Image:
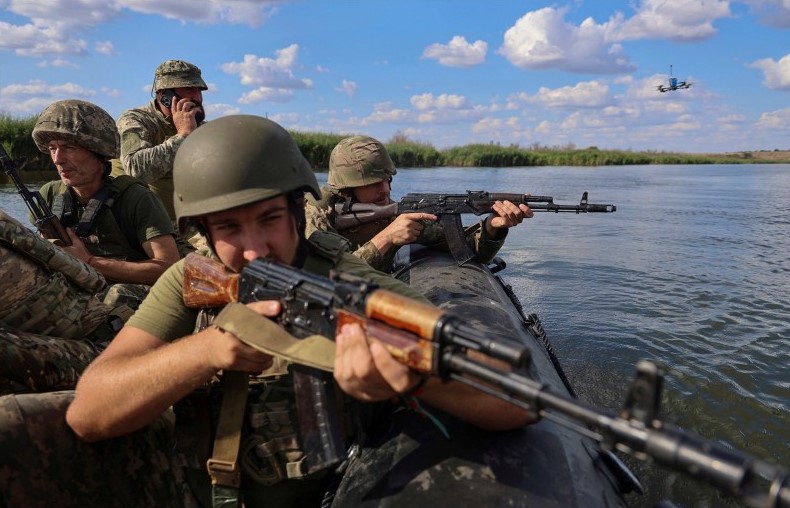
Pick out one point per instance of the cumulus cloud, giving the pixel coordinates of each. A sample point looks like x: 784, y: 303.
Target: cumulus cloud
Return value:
x: 678, y: 20
x: 443, y: 101
x: 274, y: 76
x: 774, y: 13
x: 457, y: 53
x: 776, y: 75
x: 542, y: 39
x: 587, y: 94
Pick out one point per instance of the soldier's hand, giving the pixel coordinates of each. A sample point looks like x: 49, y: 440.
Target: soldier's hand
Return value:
x: 366, y: 370
x: 405, y: 229
x: 184, y: 113
x: 506, y: 215
x: 229, y: 353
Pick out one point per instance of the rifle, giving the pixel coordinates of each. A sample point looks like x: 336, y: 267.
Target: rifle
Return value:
x: 433, y: 341
x: 449, y: 207
x: 47, y: 222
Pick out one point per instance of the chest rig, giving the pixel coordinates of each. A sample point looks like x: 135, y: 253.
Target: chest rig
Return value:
x: 65, y: 207
x: 257, y: 430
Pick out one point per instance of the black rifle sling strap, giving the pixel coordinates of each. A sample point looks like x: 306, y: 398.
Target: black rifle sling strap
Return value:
x: 456, y: 239
x: 223, y: 466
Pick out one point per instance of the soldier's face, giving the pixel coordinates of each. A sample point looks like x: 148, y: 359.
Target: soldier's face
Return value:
x: 263, y: 229
x: 375, y: 193
x: 77, y: 166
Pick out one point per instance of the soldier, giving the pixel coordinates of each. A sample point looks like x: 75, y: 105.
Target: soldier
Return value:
x: 361, y: 171
x: 116, y: 224
x: 242, y: 180
x: 151, y: 134
x: 51, y: 323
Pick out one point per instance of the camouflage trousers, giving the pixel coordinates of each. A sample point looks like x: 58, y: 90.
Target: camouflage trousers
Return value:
x: 43, y: 464
x: 39, y: 363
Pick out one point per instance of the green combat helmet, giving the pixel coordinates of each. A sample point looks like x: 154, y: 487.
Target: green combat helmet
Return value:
x: 177, y: 74
x: 237, y: 160
x: 358, y: 161
x: 80, y: 122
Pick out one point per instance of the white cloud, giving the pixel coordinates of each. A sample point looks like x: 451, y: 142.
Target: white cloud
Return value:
x: 774, y: 13
x: 444, y: 101
x: 773, y: 120
x: 678, y: 20
x: 347, y: 87
x: 457, y: 53
x: 776, y: 74
x: 542, y: 39
x: 586, y: 94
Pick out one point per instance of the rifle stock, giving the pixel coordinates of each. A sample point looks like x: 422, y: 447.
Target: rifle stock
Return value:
x: 314, y: 304
x: 47, y: 222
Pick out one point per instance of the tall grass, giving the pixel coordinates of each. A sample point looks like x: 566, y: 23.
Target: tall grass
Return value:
x: 317, y: 146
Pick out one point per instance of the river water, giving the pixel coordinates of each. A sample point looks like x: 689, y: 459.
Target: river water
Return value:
x: 691, y: 270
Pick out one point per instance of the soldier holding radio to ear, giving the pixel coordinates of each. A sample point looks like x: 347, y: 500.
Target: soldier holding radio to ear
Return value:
x: 151, y: 134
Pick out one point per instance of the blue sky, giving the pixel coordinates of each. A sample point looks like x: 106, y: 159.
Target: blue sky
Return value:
x: 445, y: 72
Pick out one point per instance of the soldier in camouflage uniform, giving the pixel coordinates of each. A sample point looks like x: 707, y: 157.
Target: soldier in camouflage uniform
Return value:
x: 242, y: 179
x: 361, y: 171
x: 151, y: 134
x: 51, y: 323
x: 116, y: 224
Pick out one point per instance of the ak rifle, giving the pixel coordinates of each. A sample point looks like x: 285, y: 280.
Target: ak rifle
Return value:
x: 47, y: 222
x: 432, y: 341
x: 449, y: 208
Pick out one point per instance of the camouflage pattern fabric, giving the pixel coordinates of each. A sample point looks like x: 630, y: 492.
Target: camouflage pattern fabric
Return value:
x: 43, y: 289
x: 319, y: 215
x: 358, y: 161
x: 178, y: 74
x: 149, y: 142
x: 78, y: 121
x: 43, y: 464
x: 38, y: 363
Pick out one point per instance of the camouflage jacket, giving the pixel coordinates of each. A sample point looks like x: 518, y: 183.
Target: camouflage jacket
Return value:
x: 320, y: 217
x: 148, y: 148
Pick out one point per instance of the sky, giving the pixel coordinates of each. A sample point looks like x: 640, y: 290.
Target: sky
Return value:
x: 445, y: 72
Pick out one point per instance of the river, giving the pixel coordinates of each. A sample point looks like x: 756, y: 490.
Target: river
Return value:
x: 691, y: 270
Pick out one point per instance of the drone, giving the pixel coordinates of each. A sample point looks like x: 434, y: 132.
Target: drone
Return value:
x: 674, y: 84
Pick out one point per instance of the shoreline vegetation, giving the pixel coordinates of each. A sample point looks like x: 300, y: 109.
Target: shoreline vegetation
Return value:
x: 15, y: 134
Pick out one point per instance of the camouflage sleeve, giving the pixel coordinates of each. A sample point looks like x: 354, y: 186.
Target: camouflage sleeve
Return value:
x: 147, y: 152
x: 319, y: 219
x: 485, y: 247
x: 372, y: 256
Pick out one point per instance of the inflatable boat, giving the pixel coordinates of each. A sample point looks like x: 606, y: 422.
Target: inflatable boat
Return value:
x: 541, y: 465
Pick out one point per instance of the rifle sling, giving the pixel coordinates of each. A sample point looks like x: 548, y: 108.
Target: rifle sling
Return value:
x: 223, y: 466
x: 456, y: 239
x: 265, y: 335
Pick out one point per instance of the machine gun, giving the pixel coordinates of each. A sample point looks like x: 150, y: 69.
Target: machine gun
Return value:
x: 449, y: 208
x: 432, y: 341
x: 47, y: 222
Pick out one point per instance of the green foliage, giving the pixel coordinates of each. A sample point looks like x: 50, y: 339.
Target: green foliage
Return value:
x: 15, y: 134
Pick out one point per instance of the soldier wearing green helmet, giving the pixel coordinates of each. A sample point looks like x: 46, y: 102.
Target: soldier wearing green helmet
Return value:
x: 151, y: 134
x: 241, y: 180
x: 116, y: 224
x: 361, y: 171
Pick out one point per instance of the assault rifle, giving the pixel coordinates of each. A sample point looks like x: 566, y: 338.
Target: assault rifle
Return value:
x: 47, y: 222
x: 432, y: 341
x: 449, y: 207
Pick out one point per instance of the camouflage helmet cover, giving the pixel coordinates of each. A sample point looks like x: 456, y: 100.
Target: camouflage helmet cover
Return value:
x: 80, y: 122
x: 177, y: 74
x: 234, y: 161
x: 358, y: 161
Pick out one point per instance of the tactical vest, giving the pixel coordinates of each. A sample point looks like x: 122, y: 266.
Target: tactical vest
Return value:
x: 92, y: 220
x: 270, y: 450
x: 45, y: 290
